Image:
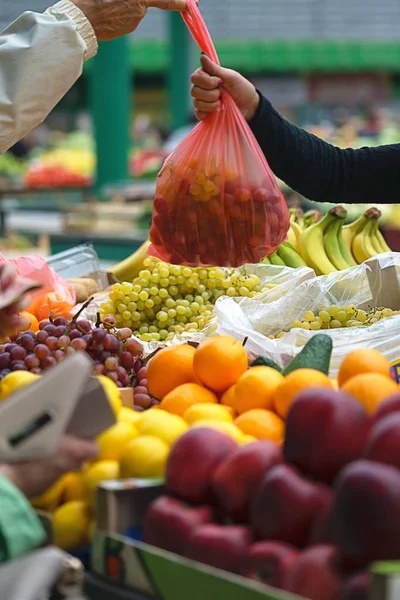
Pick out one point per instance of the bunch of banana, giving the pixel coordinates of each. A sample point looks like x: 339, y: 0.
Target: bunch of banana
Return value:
x: 129, y: 268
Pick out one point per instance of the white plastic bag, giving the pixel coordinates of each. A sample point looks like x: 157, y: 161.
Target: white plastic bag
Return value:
x: 372, y: 284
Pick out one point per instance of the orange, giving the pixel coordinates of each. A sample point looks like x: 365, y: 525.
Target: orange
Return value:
x: 296, y: 382
x: 219, y: 362
x: 170, y: 368
x: 370, y: 389
x: 34, y: 323
x: 262, y: 424
x: 184, y: 396
x: 361, y: 361
x: 256, y: 389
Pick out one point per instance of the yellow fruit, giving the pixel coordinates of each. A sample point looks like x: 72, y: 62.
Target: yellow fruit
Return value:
x: 181, y: 398
x: 146, y: 456
x: 112, y: 392
x: 370, y: 389
x: 113, y: 441
x: 248, y: 439
x: 74, y: 487
x: 127, y: 415
x: 228, y: 428
x: 15, y: 381
x: 200, y: 412
x: 168, y: 429
x: 51, y: 498
x: 262, y: 424
x: 101, y: 471
x: 150, y: 416
x: 71, y: 525
x: 256, y: 389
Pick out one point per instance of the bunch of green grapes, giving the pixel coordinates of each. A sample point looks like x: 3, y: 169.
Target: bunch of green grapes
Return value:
x: 337, y: 317
x: 166, y: 300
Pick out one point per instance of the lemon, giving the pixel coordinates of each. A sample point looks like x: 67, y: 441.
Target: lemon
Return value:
x: 113, y: 441
x: 228, y: 428
x: 200, y: 412
x: 248, y: 439
x: 112, y: 392
x: 168, y: 429
x: 127, y: 415
x: 101, y: 471
x: 51, y: 498
x: 151, y: 416
x: 74, y: 487
x: 144, y: 457
x: 15, y: 381
x: 71, y: 525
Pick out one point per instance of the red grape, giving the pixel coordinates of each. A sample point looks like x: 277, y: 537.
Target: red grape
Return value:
x: 60, y: 330
x: 111, y: 363
x: 50, y: 329
x: 142, y: 374
x: 140, y: 390
x: 138, y: 408
x: 5, y: 372
x: 5, y: 359
x: 32, y: 361
x: 18, y: 353
x: 48, y: 361
x: 111, y: 375
x: 52, y: 343
x: 63, y: 342
x: 134, y: 347
x: 84, y: 326
x: 44, y: 324
x: 109, y: 321
x: 125, y: 380
x: 18, y: 365
x: 60, y: 321
x: 99, y: 369
x: 87, y: 338
x: 120, y: 371
x: 124, y: 333
x: 36, y: 370
x: 27, y: 341
x: 98, y: 335
x: 111, y: 343
x: 78, y: 344
x: 126, y: 360
x: 142, y: 400
x: 97, y: 346
x: 41, y: 337
x: 75, y: 334
x: 9, y: 347
x: 2, y: 348
x: 30, y: 333
x: 144, y: 382
x: 42, y: 351
x: 69, y: 350
x: 59, y: 355
x: 119, y: 384
x: 154, y: 402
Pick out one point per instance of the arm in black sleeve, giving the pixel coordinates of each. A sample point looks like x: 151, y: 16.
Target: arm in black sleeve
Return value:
x: 322, y: 172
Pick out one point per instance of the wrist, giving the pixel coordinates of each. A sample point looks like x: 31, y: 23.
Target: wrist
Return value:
x: 253, y: 106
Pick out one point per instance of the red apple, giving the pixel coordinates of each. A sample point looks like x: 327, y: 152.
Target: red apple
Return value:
x: 314, y: 575
x: 269, y: 563
x: 237, y: 478
x: 325, y: 430
x: 384, y: 442
x: 366, y: 514
x: 286, y: 506
x: 221, y: 546
x: 169, y: 523
x: 388, y: 406
x: 192, y: 462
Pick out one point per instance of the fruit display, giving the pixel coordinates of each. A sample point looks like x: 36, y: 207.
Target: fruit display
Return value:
x: 163, y: 300
x: 209, y: 215
x: 307, y: 515
x: 326, y: 244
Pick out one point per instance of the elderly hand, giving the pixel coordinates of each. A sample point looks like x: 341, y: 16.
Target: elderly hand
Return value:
x: 35, y: 477
x: 113, y: 18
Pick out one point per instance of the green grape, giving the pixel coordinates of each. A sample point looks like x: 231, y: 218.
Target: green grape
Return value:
x: 144, y: 329
x: 335, y: 324
x: 296, y: 324
x: 333, y: 310
x: 305, y: 325
x: 172, y: 313
x: 149, y: 303
x: 170, y: 303
x: 162, y: 316
x: 163, y: 334
x: 153, y: 329
x: 146, y: 337
x: 141, y: 305
x: 361, y: 316
x: 315, y: 325
x: 341, y: 316
x: 126, y: 315
x: 163, y: 293
x: 324, y: 316
x: 134, y: 296
x: 173, y: 290
x: 180, y: 310
x: 122, y: 308
x: 164, y: 272
x: 153, y: 291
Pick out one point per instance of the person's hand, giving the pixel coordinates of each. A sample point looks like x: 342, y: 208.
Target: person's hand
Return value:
x: 113, y: 18
x: 206, y: 90
x: 10, y: 321
x: 35, y: 477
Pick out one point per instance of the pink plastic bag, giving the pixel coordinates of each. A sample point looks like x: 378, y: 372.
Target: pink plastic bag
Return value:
x: 217, y: 202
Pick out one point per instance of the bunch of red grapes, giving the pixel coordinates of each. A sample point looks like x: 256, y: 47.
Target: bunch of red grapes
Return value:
x: 114, y: 351
x: 142, y: 397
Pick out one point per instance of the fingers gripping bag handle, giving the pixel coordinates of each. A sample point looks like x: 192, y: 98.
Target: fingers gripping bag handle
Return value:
x: 217, y: 202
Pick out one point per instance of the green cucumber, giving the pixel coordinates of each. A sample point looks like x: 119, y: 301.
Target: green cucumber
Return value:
x: 262, y: 361
x: 316, y: 354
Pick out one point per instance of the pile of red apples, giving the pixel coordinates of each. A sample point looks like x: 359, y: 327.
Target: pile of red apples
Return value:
x: 309, y: 518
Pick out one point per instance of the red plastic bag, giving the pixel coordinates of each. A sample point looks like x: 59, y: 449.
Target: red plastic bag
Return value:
x: 217, y: 202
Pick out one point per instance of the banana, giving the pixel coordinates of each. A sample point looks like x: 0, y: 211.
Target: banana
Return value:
x: 334, y: 245
x: 350, y: 231
x: 129, y: 268
x: 296, y: 216
x: 382, y: 242
x: 297, y: 229
x: 289, y: 256
x: 276, y: 260
x: 312, y: 248
x: 311, y: 217
x: 292, y: 238
x: 374, y: 239
x: 362, y: 244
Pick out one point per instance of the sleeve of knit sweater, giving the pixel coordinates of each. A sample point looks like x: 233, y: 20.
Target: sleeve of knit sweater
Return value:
x: 322, y: 172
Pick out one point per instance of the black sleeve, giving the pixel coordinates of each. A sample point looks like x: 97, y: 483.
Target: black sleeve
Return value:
x: 322, y: 172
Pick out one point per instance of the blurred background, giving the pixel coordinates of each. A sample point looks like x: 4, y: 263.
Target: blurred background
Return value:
x: 88, y: 173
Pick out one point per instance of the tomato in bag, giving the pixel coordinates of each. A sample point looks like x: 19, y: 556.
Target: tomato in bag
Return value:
x: 217, y: 202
